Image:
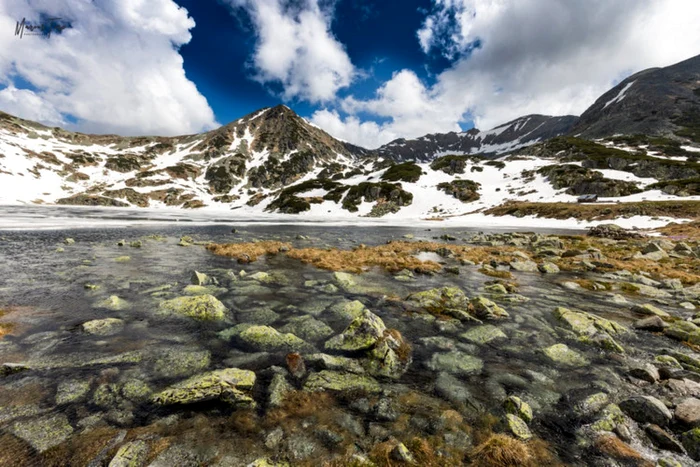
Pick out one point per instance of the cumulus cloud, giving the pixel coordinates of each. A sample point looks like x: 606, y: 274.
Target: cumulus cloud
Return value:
x: 516, y: 57
x: 296, y: 48
x: 116, y: 69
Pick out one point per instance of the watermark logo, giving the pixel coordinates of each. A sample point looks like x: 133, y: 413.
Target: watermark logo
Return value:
x: 42, y: 28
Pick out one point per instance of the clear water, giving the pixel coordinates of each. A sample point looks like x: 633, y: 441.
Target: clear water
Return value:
x: 45, y: 291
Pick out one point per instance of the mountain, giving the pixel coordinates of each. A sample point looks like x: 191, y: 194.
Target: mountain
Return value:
x: 516, y: 134
x: 653, y: 102
x: 262, y: 151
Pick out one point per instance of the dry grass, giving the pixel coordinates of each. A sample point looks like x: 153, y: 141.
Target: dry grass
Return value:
x: 612, y: 446
x: 689, y: 231
x: 393, y: 256
x: 500, y: 450
x: 495, y: 273
x: 247, y: 252
x: 403, y: 352
x: 599, y: 211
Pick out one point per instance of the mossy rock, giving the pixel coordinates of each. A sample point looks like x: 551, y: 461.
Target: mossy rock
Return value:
x: 456, y: 362
x: 260, y: 338
x: 561, y: 354
x: 113, y: 303
x: 230, y: 385
x: 518, y: 427
x: 200, y: 307
x: 516, y: 406
x: 43, y: 433
x: 103, y: 327
x: 483, y: 334
x: 361, y: 334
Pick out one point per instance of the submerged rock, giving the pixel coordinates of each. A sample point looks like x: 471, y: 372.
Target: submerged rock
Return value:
x: 103, y: 327
x: 229, y: 385
x: 70, y: 391
x: 133, y: 454
x: 178, y: 362
x: 43, y: 433
x: 113, y: 303
x: 456, y: 362
x: 446, y: 301
x: 563, y: 355
x: 308, y: 328
x: 265, y: 339
x: 591, y: 328
x: 518, y: 427
x: 199, y: 278
x: 483, y: 334
x: 336, y: 363
x: 341, y: 382
x: 201, y: 307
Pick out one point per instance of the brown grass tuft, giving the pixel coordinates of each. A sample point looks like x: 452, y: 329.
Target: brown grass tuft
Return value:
x: 494, y: 273
x: 247, y: 252
x: 404, y: 350
x: 500, y: 450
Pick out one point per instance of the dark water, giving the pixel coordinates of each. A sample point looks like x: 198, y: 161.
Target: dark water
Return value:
x: 47, y: 291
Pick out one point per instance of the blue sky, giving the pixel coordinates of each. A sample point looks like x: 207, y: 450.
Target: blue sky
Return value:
x: 366, y: 71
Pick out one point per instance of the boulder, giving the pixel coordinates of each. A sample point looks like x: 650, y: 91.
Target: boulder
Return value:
x: 646, y: 409
x: 518, y: 427
x: 260, y: 338
x: 200, y: 307
x: 688, y: 412
x: 361, y: 334
x: 445, y: 301
x: 229, y: 385
x: 649, y: 309
x: 684, y: 331
x: 548, y: 268
x: 103, y: 327
x: 646, y: 372
x: 113, y: 303
x: 523, y: 266
x: 691, y: 443
x: 651, y: 324
x: 516, y: 406
x: 486, y: 309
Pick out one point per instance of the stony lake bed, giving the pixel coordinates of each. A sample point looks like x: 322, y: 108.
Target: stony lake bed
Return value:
x: 358, y: 346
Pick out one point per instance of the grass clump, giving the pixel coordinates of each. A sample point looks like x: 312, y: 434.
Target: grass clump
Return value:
x: 404, y: 172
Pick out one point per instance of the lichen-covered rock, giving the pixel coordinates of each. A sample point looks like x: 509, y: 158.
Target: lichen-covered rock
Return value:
x: 361, y: 334
x: 327, y: 380
x: 344, y: 280
x: 456, y: 362
x: 72, y: 390
x: 43, y: 433
x: 548, y: 268
x: 610, y: 417
x: 518, y: 427
x: 450, y: 301
x: 179, y: 362
x: 390, y: 357
x: 486, y: 309
x: 199, y: 278
x: 278, y: 390
x: 346, y: 310
x: 103, y: 327
x: 113, y: 303
x: 230, y: 385
x: 563, y: 355
x: 592, y: 404
x: 649, y: 309
x: 133, y: 454
x: 684, y: 331
x: 200, y: 307
x: 136, y: 390
x: 483, y: 334
x: 516, y: 406
x: 265, y: 339
x: 591, y: 328
x: 646, y: 409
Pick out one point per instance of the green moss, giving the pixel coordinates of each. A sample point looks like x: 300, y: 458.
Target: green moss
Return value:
x: 404, y: 172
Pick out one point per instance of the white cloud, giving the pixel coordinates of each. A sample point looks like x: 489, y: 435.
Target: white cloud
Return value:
x: 116, y: 70
x: 296, y: 48
x: 551, y: 57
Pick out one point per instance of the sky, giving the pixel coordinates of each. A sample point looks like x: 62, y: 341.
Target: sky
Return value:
x: 365, y: 71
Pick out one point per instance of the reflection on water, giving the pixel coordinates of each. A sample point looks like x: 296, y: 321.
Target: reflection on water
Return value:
x: 87, y: 394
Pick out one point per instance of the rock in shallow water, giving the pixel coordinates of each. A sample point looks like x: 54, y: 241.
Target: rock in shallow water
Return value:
x: 646, y: 409
x: 229, y: 385
x: 456, y: 362
x: 43, y: 433
x: 103, y: 327
x: 362, y: 333
x: 563, y: 355
x: 264, y: 339
x: 201, y: 307
x: 483, y: 334
x: 341, y: 382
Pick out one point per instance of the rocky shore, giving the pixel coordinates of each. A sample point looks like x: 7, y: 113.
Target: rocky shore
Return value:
x: 336, y: 348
